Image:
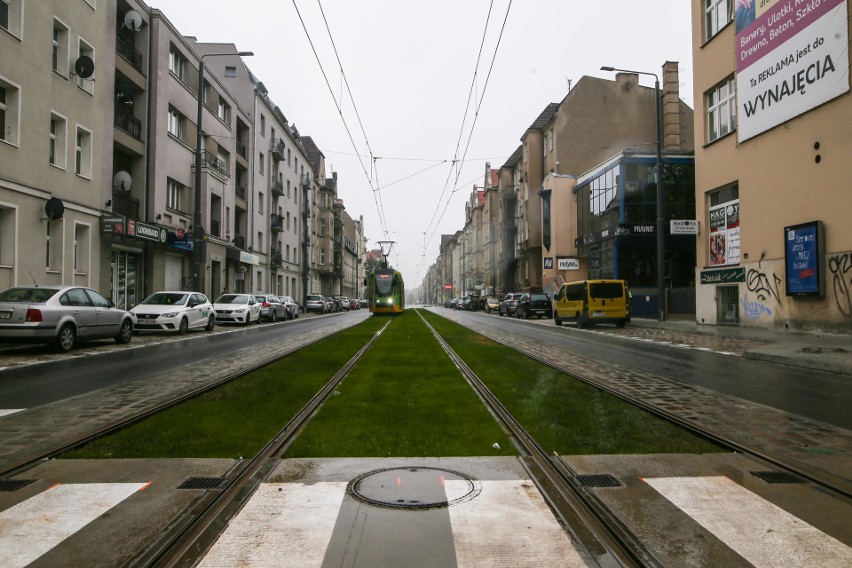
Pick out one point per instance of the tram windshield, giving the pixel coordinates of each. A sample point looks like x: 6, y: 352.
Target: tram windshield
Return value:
x: 384, y: 283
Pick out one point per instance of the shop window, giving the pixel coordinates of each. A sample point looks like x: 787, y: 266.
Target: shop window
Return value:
x: 724, y: 224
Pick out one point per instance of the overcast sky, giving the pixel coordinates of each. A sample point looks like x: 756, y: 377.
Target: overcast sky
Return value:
x: 411, y: 68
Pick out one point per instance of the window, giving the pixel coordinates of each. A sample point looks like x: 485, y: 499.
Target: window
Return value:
x: 724, y: 224
x: 288, y: 188
x: 177, y: 63
x: 59, y: 62
x: 177, y: 124
x: 81, y: 249
x: 260, y: 202
x: 57, y: 140
x: 717, y: 14
x: 721, y: 110
x: 224, y: 111
x: 322, y: 256
x: 83, y: 153
x: 7, y: 235
x: 10, y: 95
x: 261, y: 160
x: 176, y: 195
x: 259, y: 241
x: 230, y: 71
x: 86, y: 50
x: 262, y: 125
x: 53, y: 246
x: 10, y: 16
x: 322, y: 227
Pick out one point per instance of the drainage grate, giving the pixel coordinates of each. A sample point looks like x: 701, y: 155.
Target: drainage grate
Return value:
x: 203, y: 483
x: 778, y: 477
x: 597, y: 480
x: 14, y: 484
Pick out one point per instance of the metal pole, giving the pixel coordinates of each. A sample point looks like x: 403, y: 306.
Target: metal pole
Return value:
x: 661, y: 214
x: 198, y: 255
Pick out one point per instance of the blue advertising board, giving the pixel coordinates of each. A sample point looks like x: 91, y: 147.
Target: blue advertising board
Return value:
x: 803, y: 254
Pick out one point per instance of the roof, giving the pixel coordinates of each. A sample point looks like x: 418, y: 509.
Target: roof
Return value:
x: 544, y: 117
x: 495, y: 178
x: 514, y: 158
x: 313, y: 154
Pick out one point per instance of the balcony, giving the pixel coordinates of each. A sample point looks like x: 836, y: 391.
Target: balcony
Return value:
x: 215, y: 228
x: 129, y: 53
x: 276, y: 148
x: 239, y: 241
x: 277, y: 188
x: 241, y: 149
x: 212, y: 162
x: 240, y: 192
x: 123, y: 204
x: 275, y: 259
x: 127, y: 122
x: 277, y: 223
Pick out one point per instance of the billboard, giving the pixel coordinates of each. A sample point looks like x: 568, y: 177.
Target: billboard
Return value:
x: 792, y: 56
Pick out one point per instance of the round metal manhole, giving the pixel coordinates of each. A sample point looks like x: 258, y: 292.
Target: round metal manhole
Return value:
x: 414, y: 488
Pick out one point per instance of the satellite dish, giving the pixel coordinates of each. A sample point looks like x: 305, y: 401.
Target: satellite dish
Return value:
x: 84, y: 66
x: 54, y: 209
x: 122, y: 181
x: 261, y: 88
x: 124, y: 92
x: 132, y: 20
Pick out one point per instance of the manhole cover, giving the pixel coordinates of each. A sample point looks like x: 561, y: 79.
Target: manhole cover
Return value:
x: 414, y: 488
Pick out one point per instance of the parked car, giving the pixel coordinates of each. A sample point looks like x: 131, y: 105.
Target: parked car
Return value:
x: 271, y: 307
x: 492, y: 304
x: 174, y: 311
x: 453, y: 303
x: 291, y: 307
x: 537, y: 305
x: 315, y: 303
x: 354, y: 304
x: 508, y: 304
x: 465, y: 303
x: 60, y: 316
x: 342, y: 303
x: 330, y: 305
x: 237, y: 308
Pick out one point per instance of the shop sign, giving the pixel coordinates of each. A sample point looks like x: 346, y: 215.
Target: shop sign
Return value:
x: 248, y: 258
x: 683, y: 227
x: 548, y: 263
x: 565, y: 263
x: 727, y: 276
x: 146, y: 232
x: 625, y: 229
x: 112, y: 223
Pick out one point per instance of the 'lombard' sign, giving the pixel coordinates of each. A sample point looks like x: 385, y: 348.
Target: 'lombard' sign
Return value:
x: 147, y: 232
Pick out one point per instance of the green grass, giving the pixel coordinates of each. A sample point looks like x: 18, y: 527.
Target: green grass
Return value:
x: 405, y: 398
x: 239, y: 418
x: 564, y: 414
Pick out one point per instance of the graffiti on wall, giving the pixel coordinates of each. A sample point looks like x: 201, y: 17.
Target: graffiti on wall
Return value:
x: 753, y: 309
x: 764, y: 285
x: 840, y: 267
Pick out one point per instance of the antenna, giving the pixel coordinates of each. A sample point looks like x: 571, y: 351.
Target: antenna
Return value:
x: 133, y: 21
x: 84, y: 67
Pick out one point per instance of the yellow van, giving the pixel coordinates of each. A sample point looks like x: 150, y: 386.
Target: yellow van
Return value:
x: 588, y: 302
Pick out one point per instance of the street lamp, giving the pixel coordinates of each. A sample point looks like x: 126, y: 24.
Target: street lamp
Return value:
x: 199, y: 238
x: 661, y: 241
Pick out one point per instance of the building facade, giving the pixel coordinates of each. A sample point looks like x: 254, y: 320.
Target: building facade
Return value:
x: 772, y: 145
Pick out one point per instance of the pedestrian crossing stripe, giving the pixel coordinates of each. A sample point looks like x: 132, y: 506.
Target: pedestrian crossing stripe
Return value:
x: 759, y: 531
x: 8, y: 411
x: 33, y: 527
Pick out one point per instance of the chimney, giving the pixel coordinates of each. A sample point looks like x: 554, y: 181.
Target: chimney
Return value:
x: 671, y: 107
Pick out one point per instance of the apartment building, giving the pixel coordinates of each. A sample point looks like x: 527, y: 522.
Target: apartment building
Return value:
x: 56, y: 96
x: 326, y: 254
x: 772, y: 124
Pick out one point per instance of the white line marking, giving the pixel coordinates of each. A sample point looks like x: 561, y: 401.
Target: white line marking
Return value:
x: 509, y: 524
x: 283, y: 525
x: 8, y: 411
x: 33, y: 527
x: 757, y: 530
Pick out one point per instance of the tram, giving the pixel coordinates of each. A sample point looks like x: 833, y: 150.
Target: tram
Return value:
x: 387, y: 291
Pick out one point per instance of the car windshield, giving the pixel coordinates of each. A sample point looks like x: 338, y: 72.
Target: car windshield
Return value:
x: 539, y: 298
x: 167, y: 299
x: 38, y: 295
x: 233, y: 299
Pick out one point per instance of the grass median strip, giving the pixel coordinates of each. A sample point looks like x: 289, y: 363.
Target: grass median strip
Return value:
x: 565, y: 414
x: 405, y: 398
x: 240, y: 417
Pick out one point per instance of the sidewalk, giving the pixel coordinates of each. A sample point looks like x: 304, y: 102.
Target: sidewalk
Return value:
x: 816, y: 351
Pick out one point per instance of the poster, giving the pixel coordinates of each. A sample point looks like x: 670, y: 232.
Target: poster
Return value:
x: 725, y: 234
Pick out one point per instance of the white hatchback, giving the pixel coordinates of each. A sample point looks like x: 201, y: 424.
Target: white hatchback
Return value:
x: 174, y: 311
x: 237, y: 308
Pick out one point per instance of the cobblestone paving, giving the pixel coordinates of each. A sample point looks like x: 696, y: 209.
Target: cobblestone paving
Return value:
x: 813, y: 446
x: 33, y: 431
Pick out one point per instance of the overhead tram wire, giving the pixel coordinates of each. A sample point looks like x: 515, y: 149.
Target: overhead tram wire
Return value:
x: 476, y: 115
x: 340, y: 112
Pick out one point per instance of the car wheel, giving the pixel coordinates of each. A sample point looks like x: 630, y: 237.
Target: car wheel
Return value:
x: 184, y: 326
x: 258, y: 319
x: 125, y: 333
x: 581, y: 321
x: 620, y: 324
x: 274, y: 317
x: 211, y: 323
x: 556, y: 319
x: 65, y: 340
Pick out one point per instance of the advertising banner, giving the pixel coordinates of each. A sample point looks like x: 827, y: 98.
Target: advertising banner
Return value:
x: 725, y: 233
x: 803, y: 254
x: 792, y: 56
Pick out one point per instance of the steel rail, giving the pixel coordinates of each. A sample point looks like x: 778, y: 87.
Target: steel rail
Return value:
x: 192, y: 536
x: 585, y: 518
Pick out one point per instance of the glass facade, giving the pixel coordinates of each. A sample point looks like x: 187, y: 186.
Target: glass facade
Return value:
x: 617, y: 217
